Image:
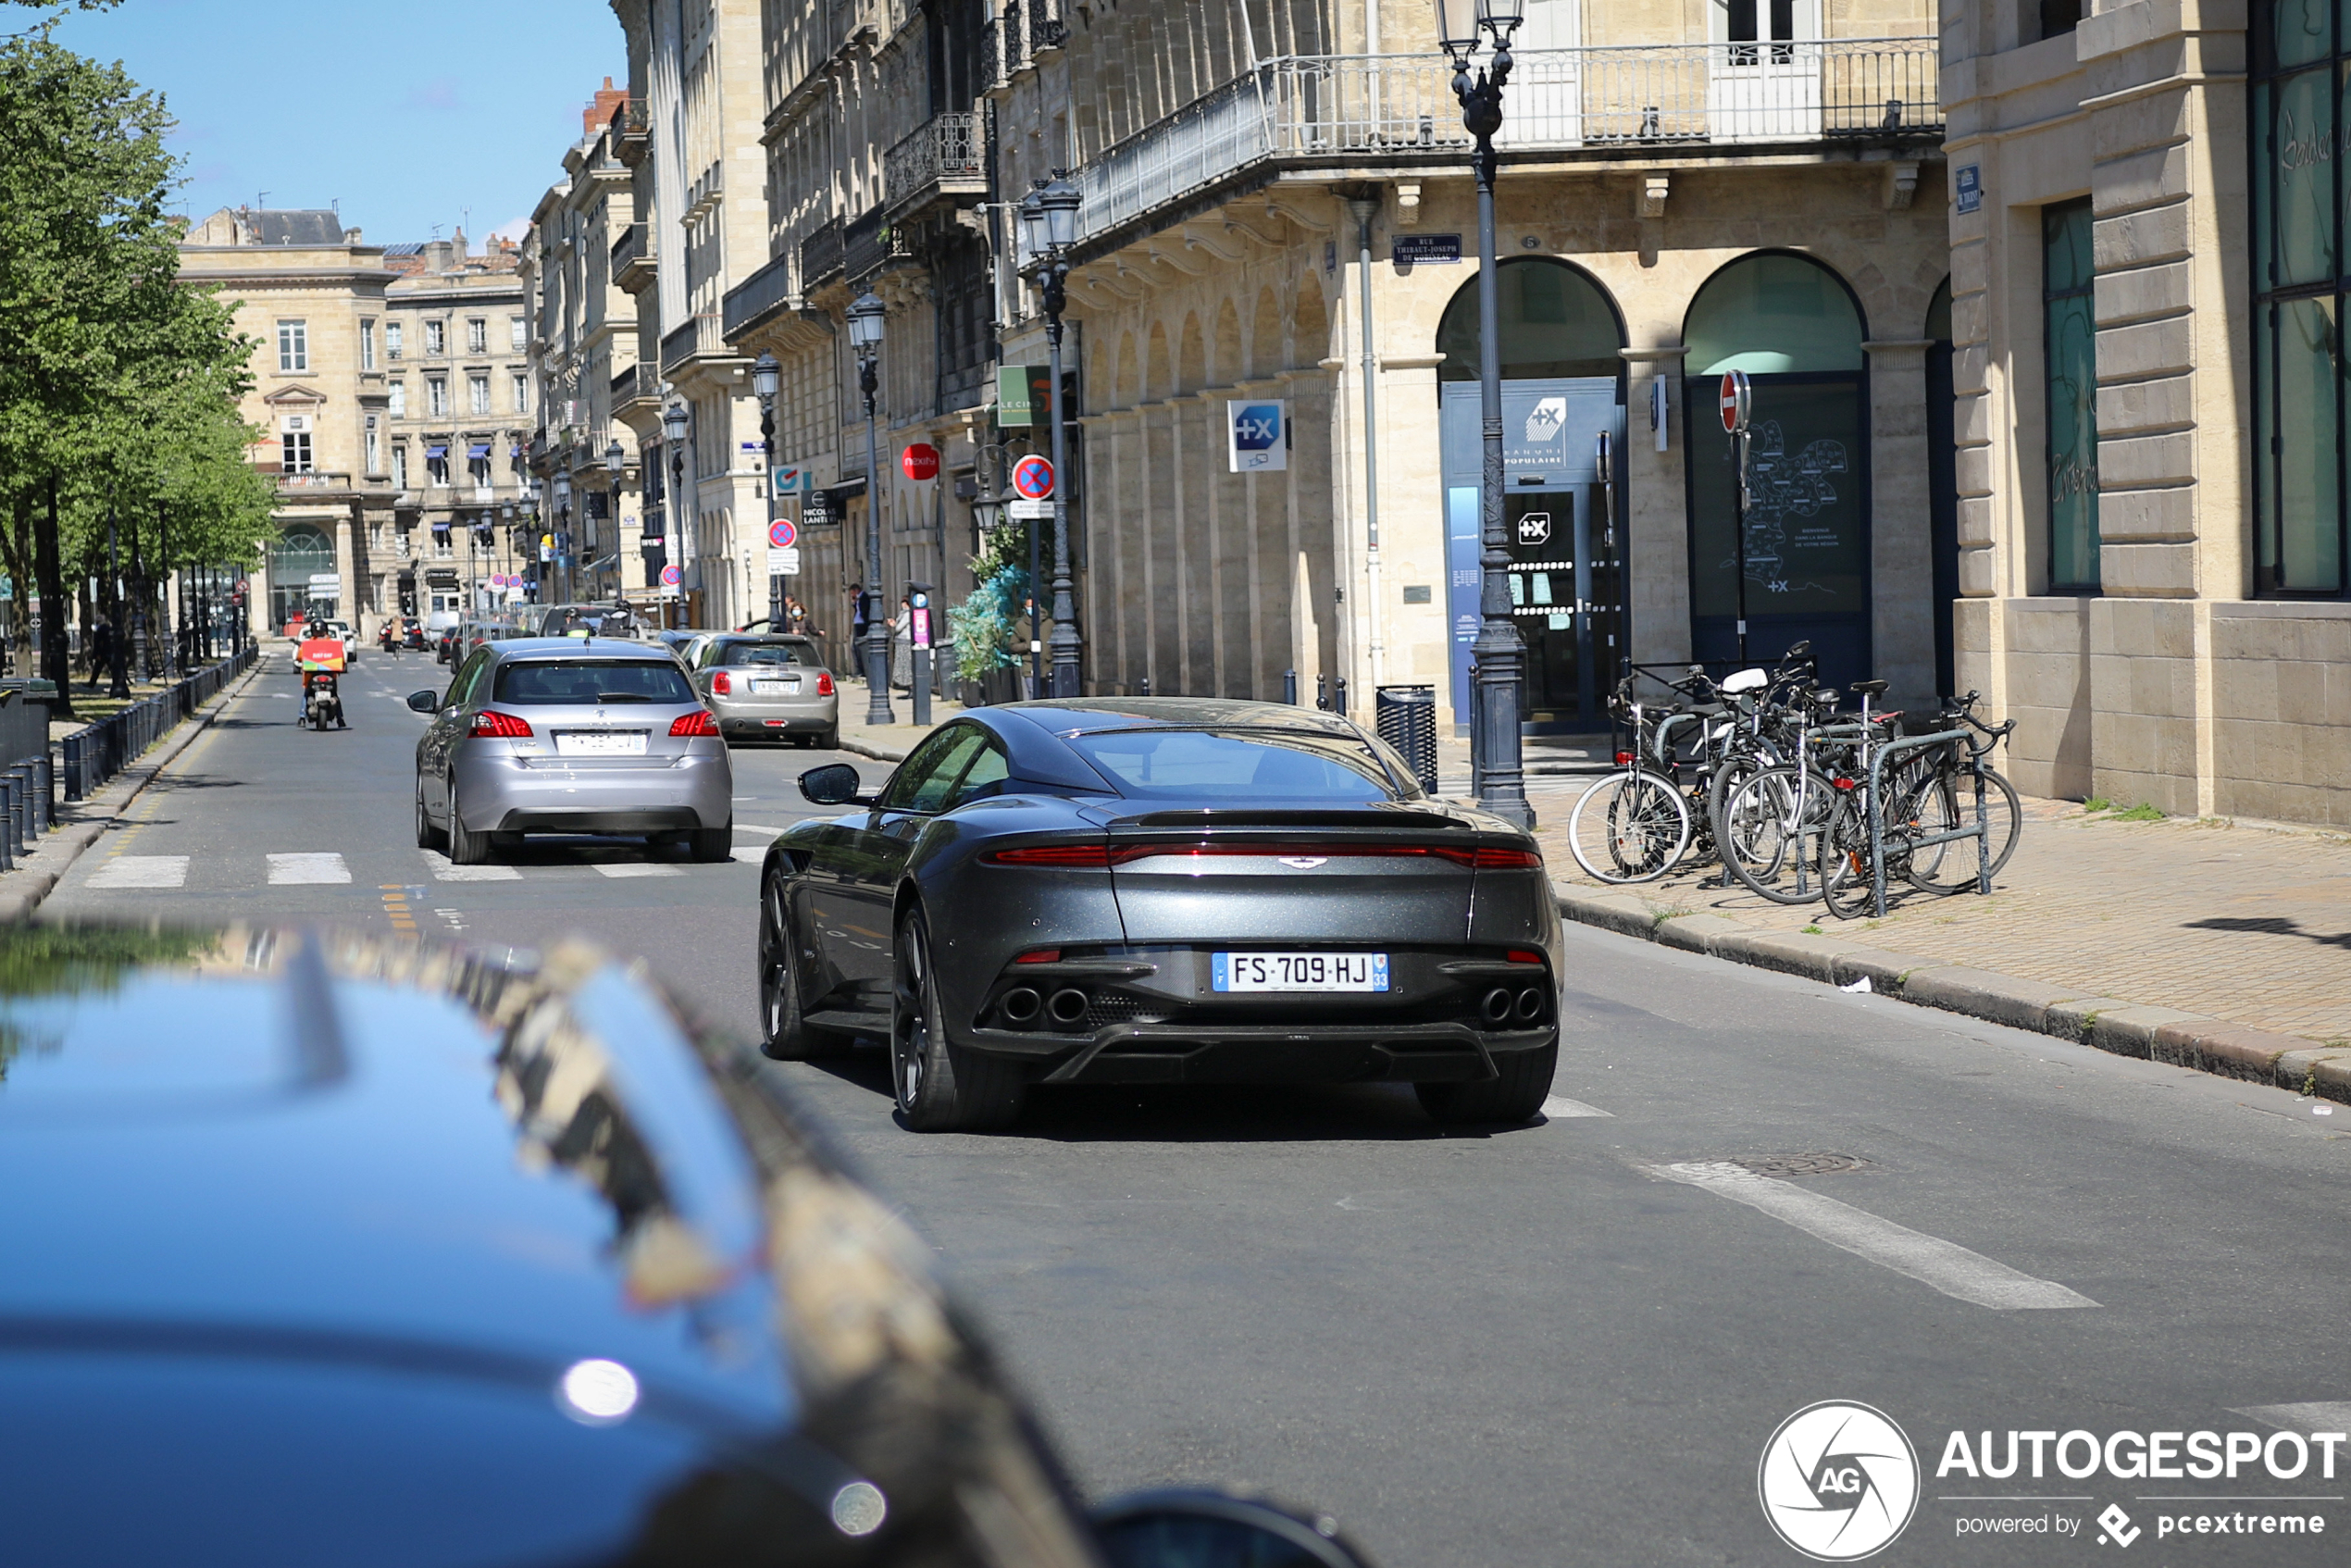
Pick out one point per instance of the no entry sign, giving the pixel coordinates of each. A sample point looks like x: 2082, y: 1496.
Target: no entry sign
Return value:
x: 919, y: 461
x: 781, y: 535
x: 1737, y: 402
x: 1033, y: 477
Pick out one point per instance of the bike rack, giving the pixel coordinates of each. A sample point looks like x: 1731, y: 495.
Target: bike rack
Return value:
x: 1885, y: 753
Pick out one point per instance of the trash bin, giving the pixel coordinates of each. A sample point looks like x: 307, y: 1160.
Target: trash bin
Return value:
x: 1407, y: 718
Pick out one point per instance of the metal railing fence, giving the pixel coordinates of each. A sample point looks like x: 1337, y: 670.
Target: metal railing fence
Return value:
x: 1629, y: 95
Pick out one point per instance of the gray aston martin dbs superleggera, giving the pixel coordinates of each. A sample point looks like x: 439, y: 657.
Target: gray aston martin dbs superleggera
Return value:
x: 1159, y: 890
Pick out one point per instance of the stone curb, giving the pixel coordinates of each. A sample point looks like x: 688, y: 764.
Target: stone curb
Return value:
x: 859, y: 749
x: 2125, y: 1029
x: 37, y: 875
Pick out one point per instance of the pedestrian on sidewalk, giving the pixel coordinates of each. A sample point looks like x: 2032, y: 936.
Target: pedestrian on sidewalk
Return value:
x: 100, y: 649
x: 857, y: 628
x: 901, y: 645
x: 796, y: 617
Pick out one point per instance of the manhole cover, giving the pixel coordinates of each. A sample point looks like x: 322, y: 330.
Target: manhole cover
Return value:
x: 1802, y: 1164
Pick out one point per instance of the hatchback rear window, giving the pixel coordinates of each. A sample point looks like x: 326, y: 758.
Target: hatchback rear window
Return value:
x: 593, y: 681
x: 1258, y: 767
x: 738, y: 653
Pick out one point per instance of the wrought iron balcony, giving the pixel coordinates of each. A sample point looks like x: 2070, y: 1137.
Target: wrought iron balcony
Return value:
x: 632, y: 258
x: 942, y: 159
x: 1014, y: 35
x: 759, y: 297
x: 820, y: 255
x: 1046, y: 28
x: 637, y: 381
x: 696, y: 337
x: 869, y: 244
x: 994, y: 73
x: 1335, y: 109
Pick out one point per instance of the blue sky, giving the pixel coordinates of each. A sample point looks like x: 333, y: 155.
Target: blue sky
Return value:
x: 410, y: 115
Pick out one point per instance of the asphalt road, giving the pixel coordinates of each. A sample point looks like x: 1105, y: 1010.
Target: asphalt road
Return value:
x: 1568, y: 1342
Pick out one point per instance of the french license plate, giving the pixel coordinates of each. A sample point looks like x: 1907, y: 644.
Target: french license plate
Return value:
x: 773, y: 687
x: 600, y: 742
x: 1299, y: 971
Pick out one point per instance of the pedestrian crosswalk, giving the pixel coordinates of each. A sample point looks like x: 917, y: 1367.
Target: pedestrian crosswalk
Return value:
x: 330, y: 868
x: 141, y: 871
x: 291, y: 870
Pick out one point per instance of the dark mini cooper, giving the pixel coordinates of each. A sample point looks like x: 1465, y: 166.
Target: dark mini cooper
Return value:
x: 1161, y: 890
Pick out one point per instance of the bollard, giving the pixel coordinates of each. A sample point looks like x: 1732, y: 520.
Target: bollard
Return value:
x: 21, y: 807
x: 1340, y: 708
x: 1289, y: 686
x: 44, y: 798
x: 11, y: 802
x: 1147, y: 686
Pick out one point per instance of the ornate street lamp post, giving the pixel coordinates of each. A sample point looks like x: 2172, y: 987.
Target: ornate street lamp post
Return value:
x: 1501, y: 655
x: 563, y: 537
x: 766, y: 376
x: 615, y: 465
x: 676, y: 423
x: 1049, y: 228
x: 866, y: 337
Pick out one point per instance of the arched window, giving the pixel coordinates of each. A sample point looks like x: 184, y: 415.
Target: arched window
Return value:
x: 299, y: 553
x: 1800, y: 568
x: 1555, y: 321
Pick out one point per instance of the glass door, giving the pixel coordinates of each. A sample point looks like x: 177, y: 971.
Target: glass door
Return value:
x: 1567, y: 596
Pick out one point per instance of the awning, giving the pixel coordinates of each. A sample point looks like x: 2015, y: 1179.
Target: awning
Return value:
x: 435, y: 454
x: 515, y: 454
x: 480, y: 451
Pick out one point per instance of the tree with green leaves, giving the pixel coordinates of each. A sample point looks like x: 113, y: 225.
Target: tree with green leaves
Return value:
x: 119, y: 385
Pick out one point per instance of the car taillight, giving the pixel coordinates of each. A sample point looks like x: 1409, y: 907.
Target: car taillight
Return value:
x: 492, y: 724
x: 824, y: 683
x: 699, y: 722
x: 1504, y: 860
x: 722, y: 684
x: 1093, y: 858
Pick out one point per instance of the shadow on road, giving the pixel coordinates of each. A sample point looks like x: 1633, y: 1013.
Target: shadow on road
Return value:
x: 1198, y: 1112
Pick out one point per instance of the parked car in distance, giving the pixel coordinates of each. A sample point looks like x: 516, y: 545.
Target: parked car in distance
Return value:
x: 341, y: 632
x: 582, y: 620
x: 353, y: 1250
x: 558, y: 735
x: 1163, y: 889
x: 761, y: 685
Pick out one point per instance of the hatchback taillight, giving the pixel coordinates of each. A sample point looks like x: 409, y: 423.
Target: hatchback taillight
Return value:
x: 492, y: 724
x: 722, y: 684
x: 824, y: 683
x: 699, y: 722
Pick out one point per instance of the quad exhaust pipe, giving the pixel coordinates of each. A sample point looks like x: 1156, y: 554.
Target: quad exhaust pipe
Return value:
x: 1019, y: 1005
x: 1499, y: 1007
x: 1067, y: 1007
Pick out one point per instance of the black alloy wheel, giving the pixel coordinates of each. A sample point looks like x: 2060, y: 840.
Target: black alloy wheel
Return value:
x: 784, y: 1033
x: 1521, y: 1083
x: 939, y: 1087
x: 465, y: 846
x: 428, y: 836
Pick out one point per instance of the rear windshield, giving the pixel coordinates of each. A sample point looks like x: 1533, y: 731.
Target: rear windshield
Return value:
x: 593, y: 681
x: 597, y: 622
x: 768, y: 654
x: 1257, y: 765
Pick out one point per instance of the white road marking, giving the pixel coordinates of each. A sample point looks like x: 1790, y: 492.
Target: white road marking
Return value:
x: 2305, y: 1419
x: 635, y: 868
x: 1930, y: 1260
x: 291, y: 870
x: 443, y: 871
x: 141, y: 871
x: 1560, y: 1105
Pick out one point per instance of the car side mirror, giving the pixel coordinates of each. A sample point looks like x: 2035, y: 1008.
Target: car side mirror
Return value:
x: 835, y: 784
x: 1188, y: 1528
x: 425, y: 701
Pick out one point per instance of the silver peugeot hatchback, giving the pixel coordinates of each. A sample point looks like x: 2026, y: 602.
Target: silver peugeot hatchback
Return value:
x: 566, y: 735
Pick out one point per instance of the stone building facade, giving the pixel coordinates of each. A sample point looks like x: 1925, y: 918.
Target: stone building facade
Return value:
x: 2147, y: 253
x: 1278, y: 208
x: 313, y: 296
x: 462, y: 406
x: 585, y: 337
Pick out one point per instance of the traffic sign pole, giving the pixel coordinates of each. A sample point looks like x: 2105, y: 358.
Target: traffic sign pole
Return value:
x: 1737, y: 400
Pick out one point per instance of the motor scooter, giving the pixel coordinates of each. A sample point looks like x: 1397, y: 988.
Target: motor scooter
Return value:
x: 321, y: 662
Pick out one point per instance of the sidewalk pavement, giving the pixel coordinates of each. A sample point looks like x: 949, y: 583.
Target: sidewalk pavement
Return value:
x: 80, y: 824
x: 2216, y: 943
x: 886, y: 743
